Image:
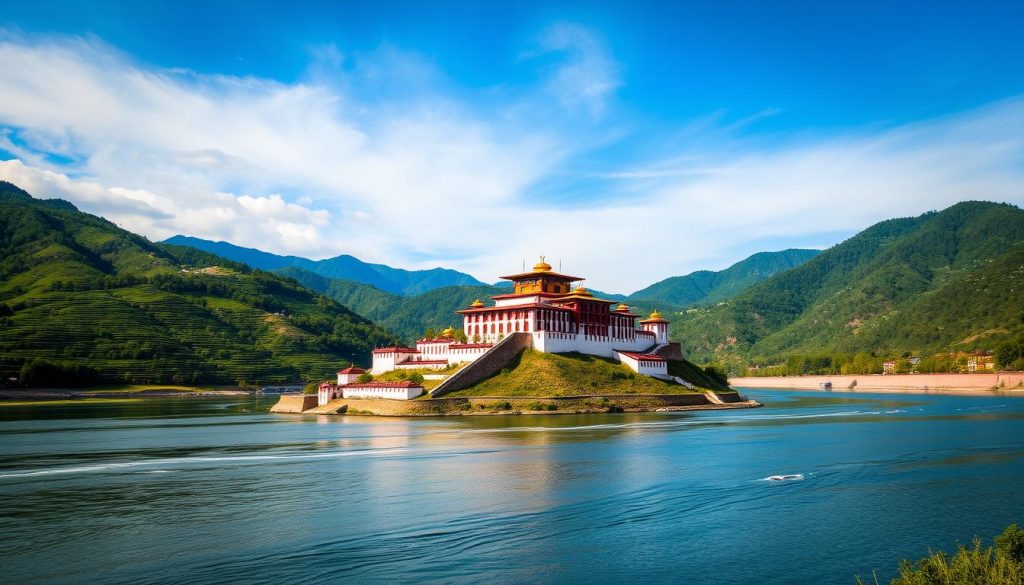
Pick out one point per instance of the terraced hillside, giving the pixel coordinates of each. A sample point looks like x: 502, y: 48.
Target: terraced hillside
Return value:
x: 83, y: 301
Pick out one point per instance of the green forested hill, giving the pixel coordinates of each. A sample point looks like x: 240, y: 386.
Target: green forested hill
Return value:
x: 83, y: 301
x: 949, y: 280
x: 706, y: 287
x: 409, y: 317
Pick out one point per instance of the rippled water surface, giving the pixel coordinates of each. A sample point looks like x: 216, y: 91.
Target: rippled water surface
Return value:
x: 813, y: 488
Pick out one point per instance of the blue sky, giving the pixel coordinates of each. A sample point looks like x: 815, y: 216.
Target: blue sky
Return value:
x: 471, y: 135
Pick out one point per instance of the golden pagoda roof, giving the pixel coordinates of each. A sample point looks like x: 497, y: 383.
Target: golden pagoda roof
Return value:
x: 582, y: 292
x: 477, y: 304
x: 622, y: 307
x: 449, y: 332
x: 655, y: 318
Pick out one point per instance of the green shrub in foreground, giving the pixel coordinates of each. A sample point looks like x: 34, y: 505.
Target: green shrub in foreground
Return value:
x: 1001, y: 564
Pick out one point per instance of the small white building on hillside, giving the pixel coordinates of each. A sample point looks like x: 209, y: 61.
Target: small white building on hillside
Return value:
x: 348, y: 386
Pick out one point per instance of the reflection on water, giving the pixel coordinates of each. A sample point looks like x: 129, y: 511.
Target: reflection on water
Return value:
x: 815, y: 487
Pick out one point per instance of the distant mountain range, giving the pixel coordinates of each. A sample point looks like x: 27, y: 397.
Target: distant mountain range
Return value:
x: 83, y: 302
x: 385, y: 278
x: 948, y: 280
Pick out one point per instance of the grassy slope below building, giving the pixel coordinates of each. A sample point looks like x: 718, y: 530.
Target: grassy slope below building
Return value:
x: 538, y: 374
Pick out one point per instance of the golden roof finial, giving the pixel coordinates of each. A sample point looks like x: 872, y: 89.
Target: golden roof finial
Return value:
x: 477, y: 304
x: 542, y: 266
x: 655, y: 314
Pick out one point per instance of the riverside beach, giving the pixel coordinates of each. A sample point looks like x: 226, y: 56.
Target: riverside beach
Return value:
x: 1006, y: 383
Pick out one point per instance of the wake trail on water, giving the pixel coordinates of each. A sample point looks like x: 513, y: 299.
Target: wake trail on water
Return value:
x: 191, y: 460
x: 684, y: 422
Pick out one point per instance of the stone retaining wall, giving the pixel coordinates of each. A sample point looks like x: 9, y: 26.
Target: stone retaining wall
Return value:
x: 443, y: 406
x: 729, y: 397
x: 487, y: 365
x: 671, y: 351
x: 294, y: 403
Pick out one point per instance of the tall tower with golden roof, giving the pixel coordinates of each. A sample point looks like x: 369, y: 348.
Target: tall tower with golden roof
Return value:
x: 656, y: 325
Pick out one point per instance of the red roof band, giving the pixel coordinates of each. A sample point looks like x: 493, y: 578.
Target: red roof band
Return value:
x: 397, y: 384
x: 407, y: 362
x: 395, y: 349
x: 513, y: 308
x: 541, y: 274
x: 650, y: 357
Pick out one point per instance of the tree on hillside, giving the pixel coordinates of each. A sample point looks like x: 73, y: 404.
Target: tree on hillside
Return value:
x: 1010, y: 354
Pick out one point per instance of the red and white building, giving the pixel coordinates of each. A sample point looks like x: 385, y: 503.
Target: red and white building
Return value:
x: 560, y: 316
x: 430, y: 353
x: 348, y: 386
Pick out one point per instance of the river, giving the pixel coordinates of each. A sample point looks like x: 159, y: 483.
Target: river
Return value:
x: 215, y: 490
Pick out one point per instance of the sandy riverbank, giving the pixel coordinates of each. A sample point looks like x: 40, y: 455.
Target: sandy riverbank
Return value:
x: 44, y: 395
x: 1001, y: 383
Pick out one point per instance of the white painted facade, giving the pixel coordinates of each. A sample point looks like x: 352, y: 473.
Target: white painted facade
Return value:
x: 430, y: 354
x: 659, y: 329
x: 349, y: 375
x: 401, y: 390
x: 386, y: 358
x: 392, y: 392
x: 648, y: 365
x: 326, y: 393
x: 602, y: 345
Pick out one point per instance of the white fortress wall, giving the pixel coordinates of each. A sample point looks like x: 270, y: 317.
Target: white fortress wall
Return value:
x: 383, y: 392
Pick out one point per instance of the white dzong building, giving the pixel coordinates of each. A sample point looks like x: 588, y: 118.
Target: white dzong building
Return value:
x: 559, y: 317
x: 349, y: 386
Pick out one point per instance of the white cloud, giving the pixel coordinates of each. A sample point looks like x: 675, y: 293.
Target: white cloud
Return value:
x: 190, y: 137
x: 588, y: 77
x: 312, y: 169
x: 242, y: 219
